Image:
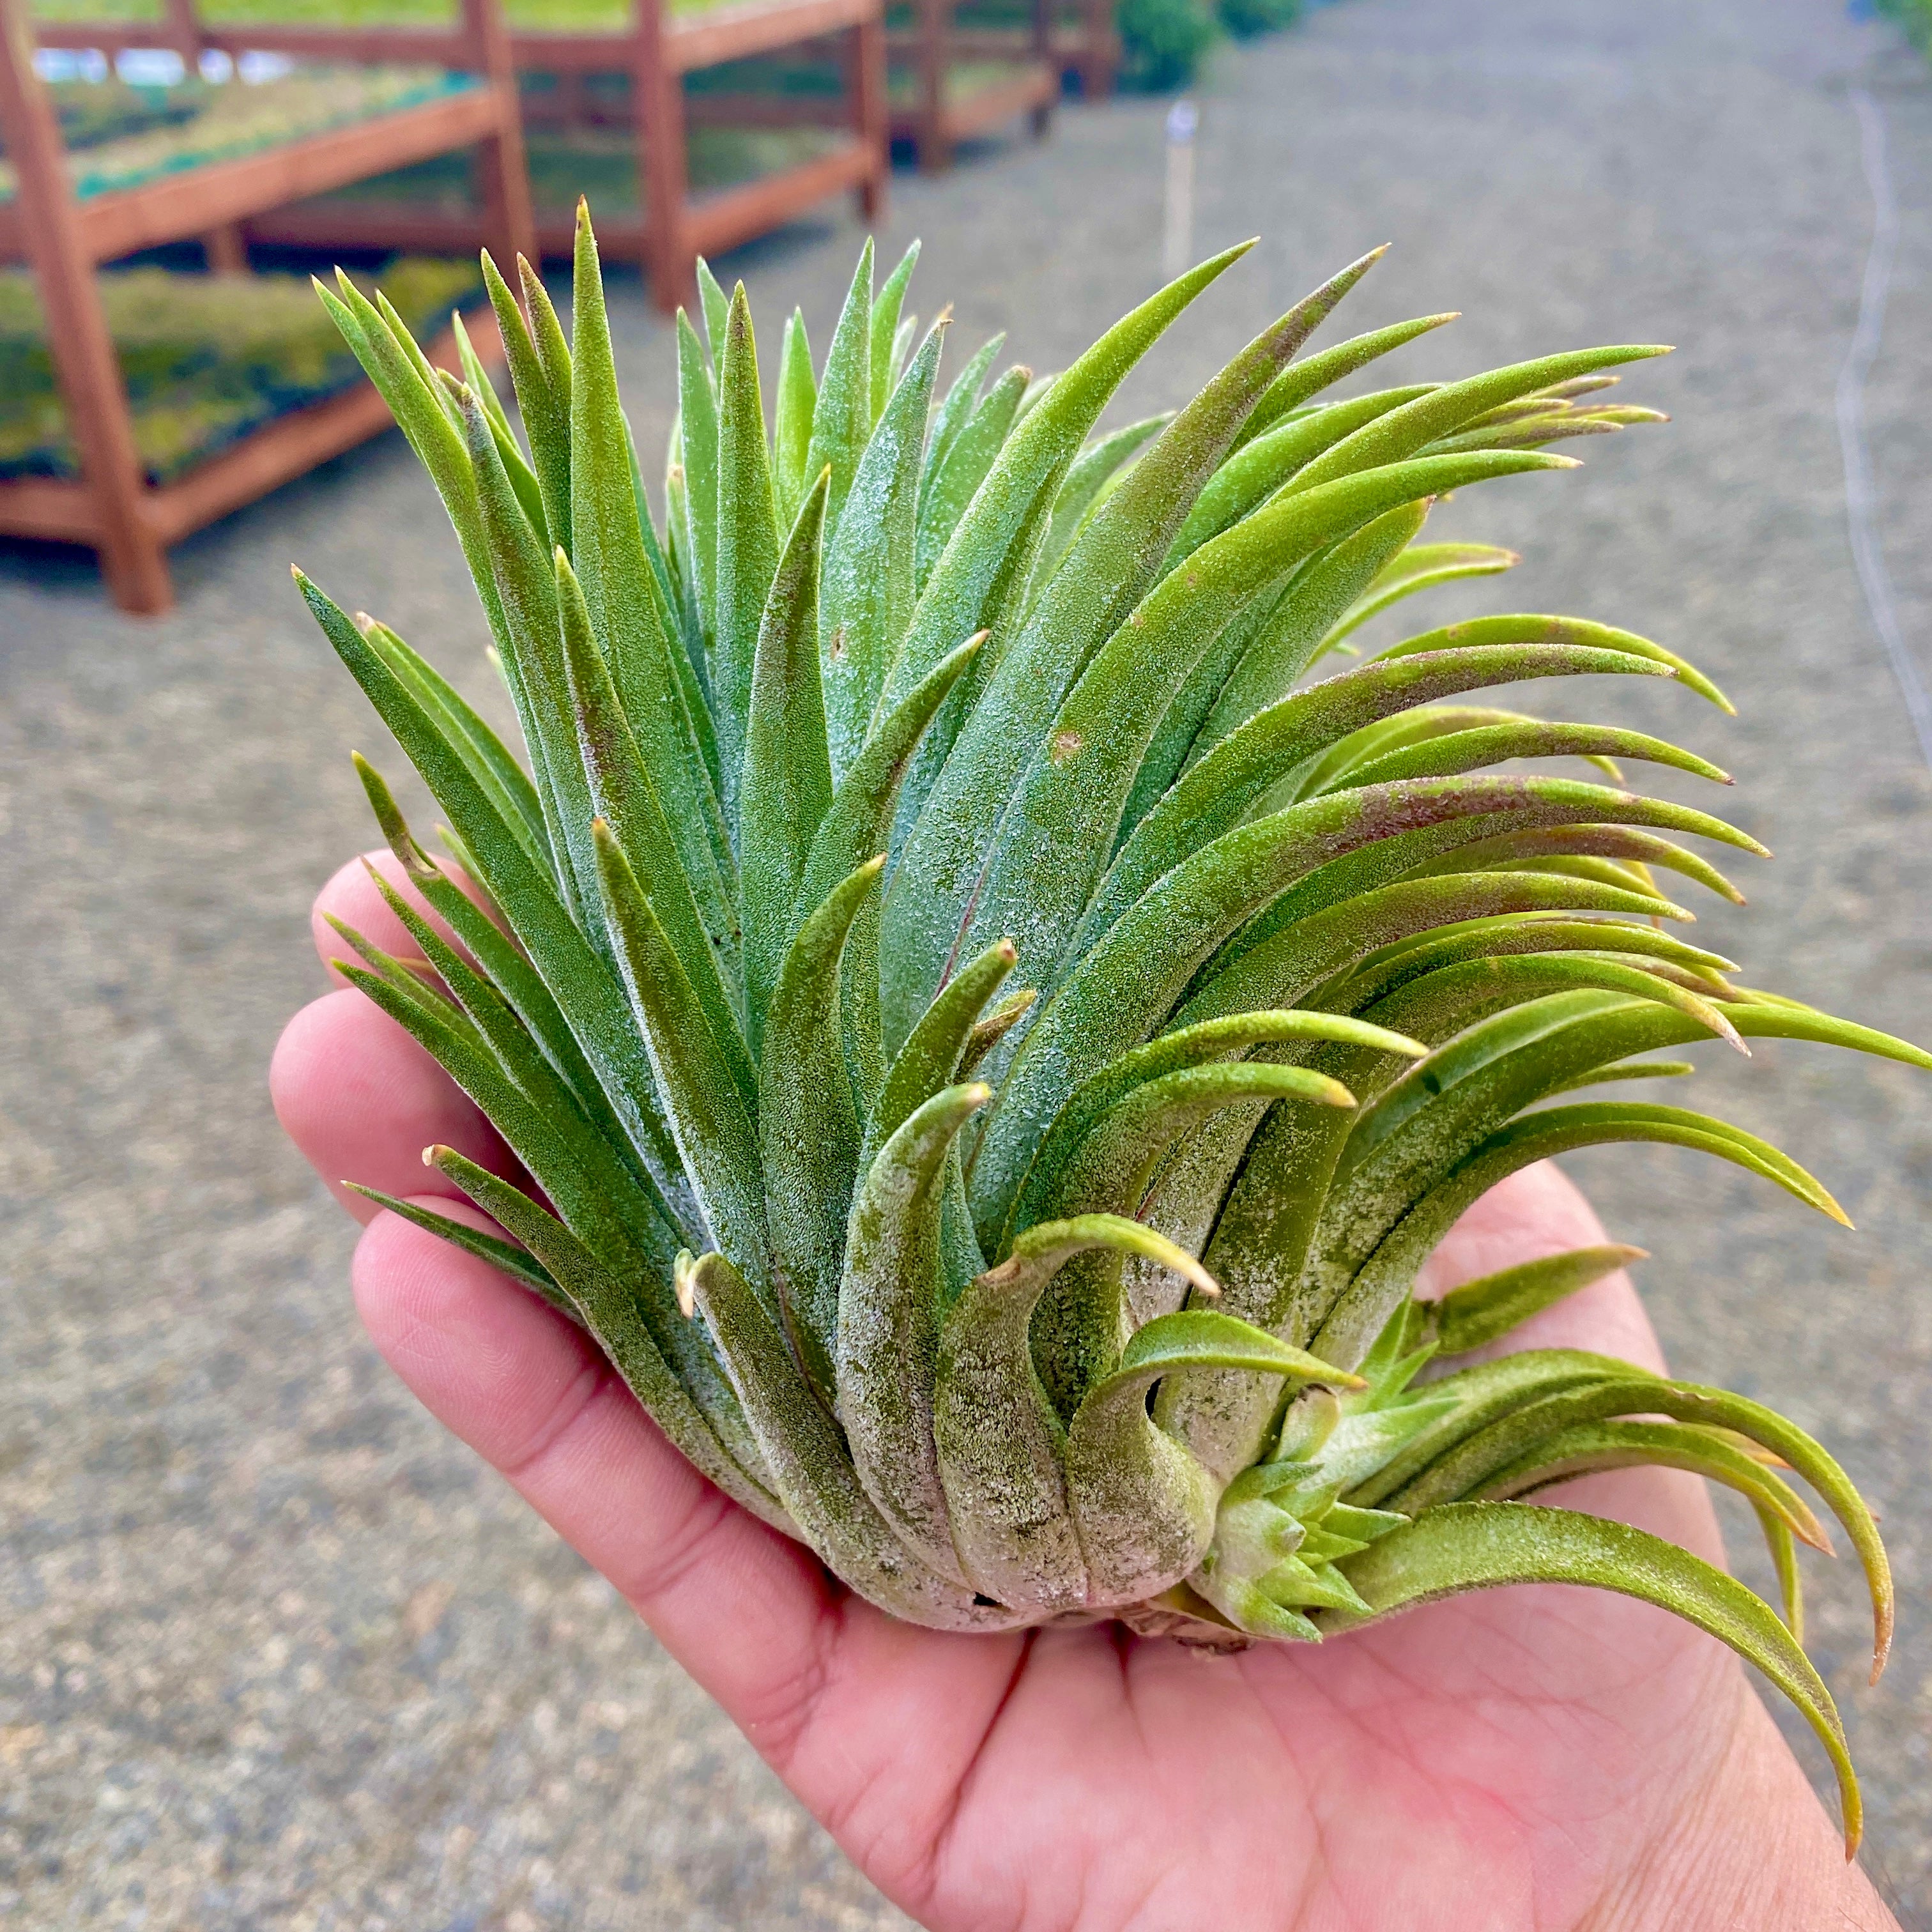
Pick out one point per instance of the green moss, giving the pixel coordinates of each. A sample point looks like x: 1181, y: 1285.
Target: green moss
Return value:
x: 549, y: 17
x: 601, y: 163
x: 92, y: 111
x: 206, y: 359
x: 962, y: 78
x: 229, y: 121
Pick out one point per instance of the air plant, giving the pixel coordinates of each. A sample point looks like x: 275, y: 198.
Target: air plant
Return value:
x: 1093, y: 1298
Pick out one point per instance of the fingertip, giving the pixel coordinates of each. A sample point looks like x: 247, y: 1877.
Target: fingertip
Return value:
x: 361, y: 1100
x: 484, y: 1355
x: 351, y: 896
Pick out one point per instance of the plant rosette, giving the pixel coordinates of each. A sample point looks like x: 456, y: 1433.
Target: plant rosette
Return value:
x: 995, y: 1016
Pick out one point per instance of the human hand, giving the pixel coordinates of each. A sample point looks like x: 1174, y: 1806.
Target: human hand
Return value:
x: 1540, y: 1757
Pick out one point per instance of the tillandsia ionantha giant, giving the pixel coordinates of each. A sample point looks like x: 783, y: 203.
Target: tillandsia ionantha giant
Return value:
x: 1092, y: 1298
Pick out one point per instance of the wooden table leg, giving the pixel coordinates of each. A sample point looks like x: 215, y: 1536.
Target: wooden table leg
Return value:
x: 509, y: 221
x: 657, y: 100
x: 132, y: 558
x: 935, y: 146
x: 226, y: 251
x: 871, y: 120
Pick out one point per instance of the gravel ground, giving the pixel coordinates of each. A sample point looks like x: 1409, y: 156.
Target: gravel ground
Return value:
x: 273, y: 1652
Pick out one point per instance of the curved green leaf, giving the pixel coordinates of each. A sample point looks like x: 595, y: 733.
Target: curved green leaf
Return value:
x: 1260, y: 466
x: 888, y: 1334
x: 1095, y: 469
x: 716, y: 307
x: 670, y: 1369
x: 931, y: 1058
x: 970, y: 455
x: 1469, y: 751
x: 1143, y: 1506
x: 810, y: 1468
x: 1371, y: 933
x: 1108, y: 1171
x: 1392, y: 438
x: 709, y: 1116
x: 1592, y: 1447
x: 1520, y: 628
x: 882, y: 331
x: 488, y: 758
x: 1216, y: 793
x: 841, y: 418
x: 809, y: 1127
x: 1478, y: 1545
x: 1484, y: 1310
x: 1422, y: 567
x: 857, y: 822
x: 546, y: 414
x: 1229, y: 687
x: 1181, y: 1048
x: 1503, y: 1443
x: 792, y: 410
x: 787, y: 783
x: 866, y: 600
x: 1584, y: 851
x: 697, y: 440
x: 611, y: 562
x: 747, y: 548
x: 1300, y: 380
x: 622, y: 795
x: 956, y: 410
x: 506, y: 1257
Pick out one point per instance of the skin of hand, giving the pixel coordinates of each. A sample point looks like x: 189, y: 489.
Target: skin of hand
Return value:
x: 1539, y: 1758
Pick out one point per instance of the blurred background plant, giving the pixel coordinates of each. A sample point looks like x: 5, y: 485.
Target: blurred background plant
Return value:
x: 1245, y: 18
x: 1914, y: 15
x: 1164, y: 42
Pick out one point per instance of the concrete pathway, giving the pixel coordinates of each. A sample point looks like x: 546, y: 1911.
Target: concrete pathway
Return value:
x: 273, y: 1652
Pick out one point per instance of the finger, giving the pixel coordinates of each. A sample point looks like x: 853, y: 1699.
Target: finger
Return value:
x: 845, y: 1701
x: 739, y: 1604
x: 351, y: 895
x: 361, y: 1100
x: 1539, y: 1211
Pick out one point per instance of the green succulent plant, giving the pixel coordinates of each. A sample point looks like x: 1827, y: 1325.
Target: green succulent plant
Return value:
x: 1093, y: 1299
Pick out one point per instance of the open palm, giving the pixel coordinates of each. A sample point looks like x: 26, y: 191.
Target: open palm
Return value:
x: 1542, y: 1757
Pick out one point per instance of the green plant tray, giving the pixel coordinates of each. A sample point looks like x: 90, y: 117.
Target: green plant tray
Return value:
x: 535, y: 16
x: 177, y: 130
x: 207, y: 359
x: 601, y: 163
x: 964, y: 79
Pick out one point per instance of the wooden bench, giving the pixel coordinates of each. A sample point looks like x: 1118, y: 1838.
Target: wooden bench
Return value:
x: 670, y: 226
x: 1080, y: 38
x: 65, y: 228
x: 951, y: 84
